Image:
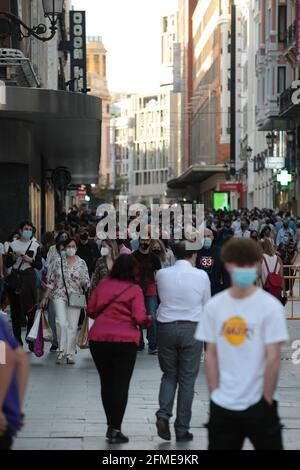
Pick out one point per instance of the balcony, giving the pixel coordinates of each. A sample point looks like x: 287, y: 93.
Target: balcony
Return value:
x: 287, y: 107
x: 267, y: 111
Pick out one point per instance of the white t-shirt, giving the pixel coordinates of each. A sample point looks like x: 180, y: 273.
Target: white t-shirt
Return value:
x: 18, y: 246
x: 241, y: 328
x: 1, y: 249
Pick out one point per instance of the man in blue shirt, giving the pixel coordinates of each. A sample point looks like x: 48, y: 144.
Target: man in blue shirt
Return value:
x: 283, y: 233
x: 13, y: 382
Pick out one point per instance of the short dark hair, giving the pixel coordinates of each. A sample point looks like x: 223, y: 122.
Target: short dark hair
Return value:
x: 241, y: 251
x: 24, y: 223
x: 124, y: 268
x: 68, y: 241
x: 180, y: 251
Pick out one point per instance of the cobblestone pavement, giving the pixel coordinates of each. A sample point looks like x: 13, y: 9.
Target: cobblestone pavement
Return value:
x: 64, y: 410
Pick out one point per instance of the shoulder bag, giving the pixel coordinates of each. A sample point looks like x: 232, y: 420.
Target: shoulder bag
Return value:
x: 114, y: 299
x: 74, y: 300
x: 14, y: 279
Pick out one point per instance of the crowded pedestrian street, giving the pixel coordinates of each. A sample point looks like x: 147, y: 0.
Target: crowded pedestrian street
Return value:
x: 149, y: 230
x: 64, y: 411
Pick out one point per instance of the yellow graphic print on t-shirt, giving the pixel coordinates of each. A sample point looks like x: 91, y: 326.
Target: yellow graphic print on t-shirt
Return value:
x: 235, y: 331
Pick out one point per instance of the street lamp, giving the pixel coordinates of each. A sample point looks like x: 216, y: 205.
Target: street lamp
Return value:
x: 290, y: 136
x: 269, y: 139
x: 249, y: 153
x: 12, y: 25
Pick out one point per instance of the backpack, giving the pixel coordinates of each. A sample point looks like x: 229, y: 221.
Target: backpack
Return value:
x: 273, y: 283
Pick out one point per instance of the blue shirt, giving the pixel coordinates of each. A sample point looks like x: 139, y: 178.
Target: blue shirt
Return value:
x: 11, y: 407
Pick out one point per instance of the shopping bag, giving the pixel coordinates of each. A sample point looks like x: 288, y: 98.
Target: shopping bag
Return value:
x: 47, y: 332
x: 39, y: 342
x: 33, y: 333
x: 82, y: 340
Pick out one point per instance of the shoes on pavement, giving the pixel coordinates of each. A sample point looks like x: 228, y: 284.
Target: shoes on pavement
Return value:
x: 53, y: 348
x: 163, y: 429
x: 188, y: 436
x: 116, y: 437
x: 153, y: 352
x: 60, y: 358
x: 70, y: 360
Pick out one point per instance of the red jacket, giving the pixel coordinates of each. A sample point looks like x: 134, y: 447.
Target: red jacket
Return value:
x: 119, y: 321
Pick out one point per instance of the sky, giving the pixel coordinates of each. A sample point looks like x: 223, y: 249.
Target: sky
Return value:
x: 131, y: 34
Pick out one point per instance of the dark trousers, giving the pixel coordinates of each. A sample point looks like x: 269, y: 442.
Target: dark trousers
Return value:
x: 5, y: 442
x: 179, y: 358
x: 260, y: 423
x: 17, y: 318
x: 115, y: 363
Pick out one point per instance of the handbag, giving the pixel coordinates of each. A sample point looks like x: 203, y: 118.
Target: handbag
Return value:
x: 47, y: 332
x: 14, y: 279
x: 33, y: 334
x: 74, y: 300
x: 82, y: 340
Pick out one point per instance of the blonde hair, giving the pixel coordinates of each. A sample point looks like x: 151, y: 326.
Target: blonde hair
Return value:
x: 114, y: 248
x: 163, y: 255
x: 267, y: 247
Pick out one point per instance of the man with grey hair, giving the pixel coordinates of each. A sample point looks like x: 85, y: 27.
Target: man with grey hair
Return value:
x: 183, y: 291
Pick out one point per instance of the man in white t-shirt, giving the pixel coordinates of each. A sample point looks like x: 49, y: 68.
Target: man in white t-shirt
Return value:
x: 244, y: 328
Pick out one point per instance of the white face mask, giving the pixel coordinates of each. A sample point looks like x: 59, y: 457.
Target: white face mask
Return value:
x: 105, y: 251
x: 71, y: 252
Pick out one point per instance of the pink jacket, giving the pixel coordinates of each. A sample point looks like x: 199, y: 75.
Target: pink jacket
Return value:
x: 119, y: 321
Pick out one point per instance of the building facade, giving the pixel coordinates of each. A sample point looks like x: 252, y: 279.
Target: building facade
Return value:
x: 97, y: 82
x: 43, y: 126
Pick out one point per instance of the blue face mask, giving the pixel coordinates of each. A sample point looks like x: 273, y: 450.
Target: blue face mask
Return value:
x: 27, y: 234
x: 244, y: 277
x: 63, y: 254
x: 285, y: 239
x: 207, y: 242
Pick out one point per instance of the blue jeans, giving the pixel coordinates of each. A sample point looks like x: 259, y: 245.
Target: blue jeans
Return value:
x: 151, y: 307
x: 179, y: 357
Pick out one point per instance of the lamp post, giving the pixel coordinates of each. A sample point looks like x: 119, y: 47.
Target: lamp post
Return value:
x: 12, y: 25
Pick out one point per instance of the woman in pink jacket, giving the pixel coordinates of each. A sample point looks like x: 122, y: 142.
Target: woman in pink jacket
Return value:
x: 117, y: 305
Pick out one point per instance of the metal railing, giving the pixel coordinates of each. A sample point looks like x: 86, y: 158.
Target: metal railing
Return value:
x: 292, y: 280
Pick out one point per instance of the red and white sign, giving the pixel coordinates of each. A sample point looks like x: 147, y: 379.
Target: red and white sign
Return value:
x: 297, y: 63
x: 81, y: 193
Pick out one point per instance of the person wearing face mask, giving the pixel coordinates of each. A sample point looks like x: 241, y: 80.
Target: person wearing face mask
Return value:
x: 88, y: 250
x: 165, y: 255
x: 225, y: 233
x: 209, y: 260
x: 55, y: 253
x: 24, y: 257
x: 183, y: 291
x: 244, y: 231
x: 104, y: 264
x: 284, y: 233
x: 288, y: 254
x: 69, y: 275
x: 244, y: 328
x: 147, y: 266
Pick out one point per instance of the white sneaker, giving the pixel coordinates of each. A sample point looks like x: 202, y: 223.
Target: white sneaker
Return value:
x: 60, y: 358
x: 70, y: 360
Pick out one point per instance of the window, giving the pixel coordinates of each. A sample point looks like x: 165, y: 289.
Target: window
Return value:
x: 281, y: 80
x: 282, y: 23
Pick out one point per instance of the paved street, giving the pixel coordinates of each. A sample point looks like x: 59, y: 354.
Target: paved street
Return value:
x: 64, y: 411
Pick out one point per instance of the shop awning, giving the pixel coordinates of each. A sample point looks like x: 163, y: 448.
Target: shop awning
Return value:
x: 196, y: 174
x: 68, y: 127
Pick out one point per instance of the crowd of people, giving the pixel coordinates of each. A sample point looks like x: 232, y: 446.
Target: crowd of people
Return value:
x: 158, y: 290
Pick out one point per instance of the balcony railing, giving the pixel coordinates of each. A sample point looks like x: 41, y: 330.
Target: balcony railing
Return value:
x: 290, y: 35
x: 286, y: 100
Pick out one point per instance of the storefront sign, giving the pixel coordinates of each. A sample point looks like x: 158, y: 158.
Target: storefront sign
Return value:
x: 297, y: 63
x: 274, y: 163
x: 238, y: 187
x: 78, y: 51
